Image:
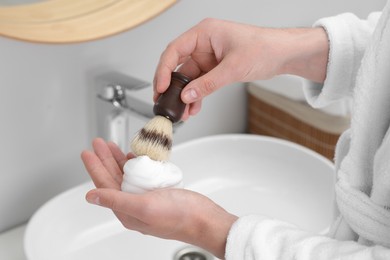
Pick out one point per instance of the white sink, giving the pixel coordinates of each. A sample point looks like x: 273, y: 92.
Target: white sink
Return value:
x: 246, y: 174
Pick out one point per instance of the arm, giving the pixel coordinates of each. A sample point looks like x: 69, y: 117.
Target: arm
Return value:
x: 255, y: 237
x: 216, y: 53
x: 348, y: 37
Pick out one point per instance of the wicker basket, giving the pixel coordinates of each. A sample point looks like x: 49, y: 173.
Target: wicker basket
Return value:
x: 278, y: 116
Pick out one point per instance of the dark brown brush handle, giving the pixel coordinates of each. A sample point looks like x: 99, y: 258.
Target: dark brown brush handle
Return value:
x: 169, y: 104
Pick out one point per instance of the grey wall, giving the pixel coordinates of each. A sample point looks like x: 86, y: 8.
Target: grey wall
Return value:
x: 47, y: 97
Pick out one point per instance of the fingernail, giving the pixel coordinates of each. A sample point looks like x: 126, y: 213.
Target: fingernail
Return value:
x: 190, y: 95
x: 93, y: 199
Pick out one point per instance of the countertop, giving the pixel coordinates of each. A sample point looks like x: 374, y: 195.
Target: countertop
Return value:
x: 11, y: 244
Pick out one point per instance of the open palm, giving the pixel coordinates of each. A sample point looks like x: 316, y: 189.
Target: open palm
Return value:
x: 167, y: 213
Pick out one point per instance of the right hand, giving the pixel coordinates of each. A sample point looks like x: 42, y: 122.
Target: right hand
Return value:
x: 216, y: 53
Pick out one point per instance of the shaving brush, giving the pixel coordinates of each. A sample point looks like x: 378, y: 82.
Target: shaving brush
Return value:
x: 155, y: 138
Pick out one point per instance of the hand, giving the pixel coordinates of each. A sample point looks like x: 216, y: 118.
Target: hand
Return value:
x: 168, y: 213
x: 216, y: 53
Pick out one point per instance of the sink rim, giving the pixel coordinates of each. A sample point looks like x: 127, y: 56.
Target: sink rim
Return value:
x: 247, y: 136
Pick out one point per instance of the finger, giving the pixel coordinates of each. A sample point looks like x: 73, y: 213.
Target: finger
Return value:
x: 105, y: 155
x: 130, y: 156
x: 191, y: 110
x: 190, y: 68
x: 194, y: 108
x: 122, y: 202
x: 169, y: 61
x: 177, y: 52
x: 99, y: 175
x: 118, y: 155
x: 208, y: 83
x: 186, y: 113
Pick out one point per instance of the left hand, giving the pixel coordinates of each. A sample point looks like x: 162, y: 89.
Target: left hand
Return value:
x: 167, y: 213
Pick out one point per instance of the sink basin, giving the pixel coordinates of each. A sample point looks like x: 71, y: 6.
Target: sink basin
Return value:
x: 245, y: 174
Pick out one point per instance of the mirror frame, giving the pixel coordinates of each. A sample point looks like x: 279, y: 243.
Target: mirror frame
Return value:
x: 70, y: 21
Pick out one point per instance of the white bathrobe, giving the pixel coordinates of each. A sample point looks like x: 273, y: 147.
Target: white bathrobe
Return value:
x: 359, y: 69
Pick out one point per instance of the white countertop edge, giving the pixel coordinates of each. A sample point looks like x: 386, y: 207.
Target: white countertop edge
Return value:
x: 11, y: 244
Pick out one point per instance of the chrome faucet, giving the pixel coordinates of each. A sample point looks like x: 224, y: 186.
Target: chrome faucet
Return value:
x: 115, y: 101
x: 118, y: 89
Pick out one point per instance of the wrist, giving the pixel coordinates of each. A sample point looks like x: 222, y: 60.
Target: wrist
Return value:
x: 213, y: 232
x: 307, y: 53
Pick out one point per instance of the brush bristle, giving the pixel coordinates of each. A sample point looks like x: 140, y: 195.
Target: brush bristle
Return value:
x: 154, y: 139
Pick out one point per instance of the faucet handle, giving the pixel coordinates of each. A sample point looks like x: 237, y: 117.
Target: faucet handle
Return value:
x: 114, y: 94
x: 118, y: 89
x: 128, y: 83
x: 115, y: 87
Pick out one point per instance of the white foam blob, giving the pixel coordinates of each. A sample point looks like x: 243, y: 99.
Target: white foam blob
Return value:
x: 142, y: 174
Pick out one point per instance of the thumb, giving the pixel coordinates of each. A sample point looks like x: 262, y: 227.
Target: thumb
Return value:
x: 116, y: 200
x: 203, y: 86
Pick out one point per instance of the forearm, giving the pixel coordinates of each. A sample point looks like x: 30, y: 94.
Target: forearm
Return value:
x: 211, y: 231
x: 216, y: 53
x: 306, y: 53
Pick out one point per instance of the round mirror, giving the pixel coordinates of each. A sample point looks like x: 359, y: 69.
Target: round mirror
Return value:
x: 67, y: 21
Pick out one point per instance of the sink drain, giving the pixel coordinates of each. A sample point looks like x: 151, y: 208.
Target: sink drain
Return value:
x: 193, y: 253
